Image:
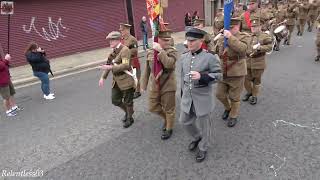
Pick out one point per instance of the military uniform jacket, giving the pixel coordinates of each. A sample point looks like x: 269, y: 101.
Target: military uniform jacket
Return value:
x: 120, y: 58
x: 199, y: 92
x: 132, y: 43
x: 313, y: 11
x: 271, y: 13
x: 238, y: 13
x: 253, y: 15
x: 233, y: 59
x: 281, y: 15
x: 168, y: 58
x: 218, y: 23
x: 257, y: 58
x: 292, y: 15
x: 303, y: 11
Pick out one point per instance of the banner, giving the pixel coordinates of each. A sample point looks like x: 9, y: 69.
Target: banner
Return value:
x: 154, y: 9
x: 228, y: 8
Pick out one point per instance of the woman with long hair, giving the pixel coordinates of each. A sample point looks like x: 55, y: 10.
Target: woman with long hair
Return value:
x: 36, y: 57
x: 187, y: 20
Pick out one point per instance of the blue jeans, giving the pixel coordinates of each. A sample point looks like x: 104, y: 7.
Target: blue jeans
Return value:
x: 45, y: 83
x: 145, y: 41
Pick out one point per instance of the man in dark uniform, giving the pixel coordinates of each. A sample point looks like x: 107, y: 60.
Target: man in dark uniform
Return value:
x: 119, y: 63
x: 199, y: 70
x: 132, y: 43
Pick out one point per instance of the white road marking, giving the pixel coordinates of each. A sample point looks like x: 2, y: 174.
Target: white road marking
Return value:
x: 274, y: 169
x: 283, y: 122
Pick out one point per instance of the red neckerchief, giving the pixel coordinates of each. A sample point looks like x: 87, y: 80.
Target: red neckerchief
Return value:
x: 247, y: 19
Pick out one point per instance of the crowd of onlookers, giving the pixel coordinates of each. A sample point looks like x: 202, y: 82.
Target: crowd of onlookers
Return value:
x: 189, y: 20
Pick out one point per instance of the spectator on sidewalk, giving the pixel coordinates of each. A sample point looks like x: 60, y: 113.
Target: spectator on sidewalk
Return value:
x: 195, y: 16
x: 144, y: 29
x: 187, y: 21
x: 41, y: 67
x: 7, y: 90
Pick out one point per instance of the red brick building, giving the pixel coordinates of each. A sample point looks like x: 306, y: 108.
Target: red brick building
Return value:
x: 67, y: 27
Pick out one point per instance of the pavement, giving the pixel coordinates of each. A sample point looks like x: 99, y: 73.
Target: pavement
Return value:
x: 79, y: 136
x: 22, y: 75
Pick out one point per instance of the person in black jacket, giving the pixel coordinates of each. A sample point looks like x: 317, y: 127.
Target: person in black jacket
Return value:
x: 144, y: 30
x: 187, y: 21
x: 36, y: 57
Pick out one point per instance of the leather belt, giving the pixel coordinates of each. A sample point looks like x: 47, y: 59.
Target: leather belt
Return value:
x: 119, y: 74
x: 196, y: 85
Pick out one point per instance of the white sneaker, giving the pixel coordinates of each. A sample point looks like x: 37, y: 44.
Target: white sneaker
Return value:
x: 51, y: 94
x: 49, y: 97
x: 17, y: 108
x: 11, y: 114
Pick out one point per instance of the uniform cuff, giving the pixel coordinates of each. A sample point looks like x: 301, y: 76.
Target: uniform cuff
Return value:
x: 205, y: 79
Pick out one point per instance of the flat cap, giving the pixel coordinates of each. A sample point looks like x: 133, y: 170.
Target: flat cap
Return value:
x: 114, y: 35
x: 195, y: 33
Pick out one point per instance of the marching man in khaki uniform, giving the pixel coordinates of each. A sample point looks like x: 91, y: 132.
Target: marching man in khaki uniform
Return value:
x: 261, y: 43
x: 218, y: 22
x: 291, y: 19
x: 162, y: 95
x: 119, y: 63
x: 302, y: 16
x: 131, y: 42
x: 252, y: 12
x: 312, y: 15
x: 233, y: 60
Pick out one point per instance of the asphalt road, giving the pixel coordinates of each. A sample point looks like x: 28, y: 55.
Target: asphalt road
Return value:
x: 79, y: 135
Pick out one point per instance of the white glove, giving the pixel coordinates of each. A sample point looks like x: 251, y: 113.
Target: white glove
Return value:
x: 157, y: 47
x: 217, y: 37
x: 256, y: 46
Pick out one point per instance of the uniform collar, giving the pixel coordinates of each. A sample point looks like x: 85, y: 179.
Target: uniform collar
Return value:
x: 125, y: 37
x: 197, y: 52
